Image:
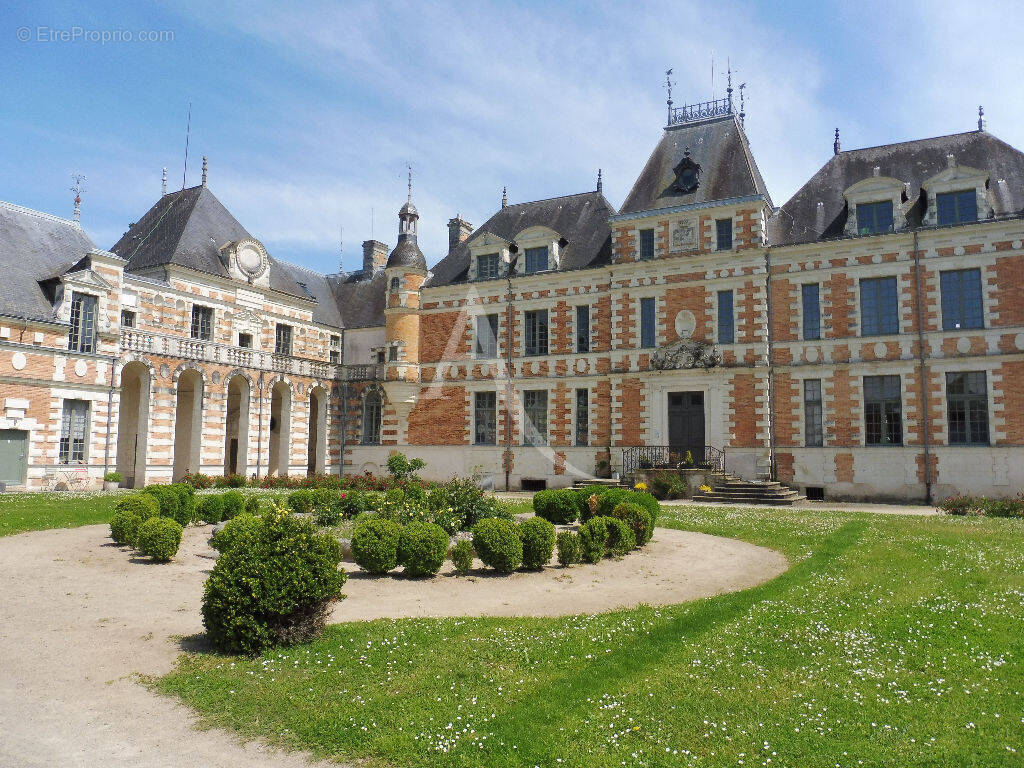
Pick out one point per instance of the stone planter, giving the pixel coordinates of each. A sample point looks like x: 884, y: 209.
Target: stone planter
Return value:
x: 110, y: 485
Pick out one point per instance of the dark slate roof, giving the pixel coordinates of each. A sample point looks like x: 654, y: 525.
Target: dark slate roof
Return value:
x: 719, y: 146
x: 582, y: 219
x: 318, y: 287
x: 188, y: 228
x: 912, y: 162
x: 407, y: 253
x: 35, y: 247
x: 360, y: 300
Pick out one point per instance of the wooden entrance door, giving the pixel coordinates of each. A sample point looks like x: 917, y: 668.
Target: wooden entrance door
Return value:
x: 686, y: 424
x: 13, y: 456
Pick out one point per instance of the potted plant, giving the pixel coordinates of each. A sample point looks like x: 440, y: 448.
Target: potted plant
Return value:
x: 111, y: 481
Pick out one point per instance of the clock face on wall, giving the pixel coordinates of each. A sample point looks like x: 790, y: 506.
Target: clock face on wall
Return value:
x: 251, y: 258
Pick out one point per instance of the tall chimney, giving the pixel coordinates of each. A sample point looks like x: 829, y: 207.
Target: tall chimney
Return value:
x: 459, y: 231
x: 375, y: 257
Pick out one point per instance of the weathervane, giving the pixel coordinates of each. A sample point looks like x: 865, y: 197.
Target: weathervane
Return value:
x: 408, y: 165
x: 77, y: 189
x: 668, y: 87
x: 743, y: 113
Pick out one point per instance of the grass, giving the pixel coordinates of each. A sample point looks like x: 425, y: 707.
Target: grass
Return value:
x: 41, y: 511
x: 891, y: 641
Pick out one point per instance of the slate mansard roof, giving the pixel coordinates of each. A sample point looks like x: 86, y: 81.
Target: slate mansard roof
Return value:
x: 719, y: 146
x: 34, y: 248
x: 911, y: 162
x: 582, y: 219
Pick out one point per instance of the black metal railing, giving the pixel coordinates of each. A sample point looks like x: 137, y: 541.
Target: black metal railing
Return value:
x: 636, y: 458
x: 705, y: 109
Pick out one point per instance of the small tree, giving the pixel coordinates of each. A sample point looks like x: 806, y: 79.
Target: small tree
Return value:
x: 401, y: 468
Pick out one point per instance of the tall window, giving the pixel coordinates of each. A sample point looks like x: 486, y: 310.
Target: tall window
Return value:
x: 726, y: 323
x: 582, y: 417
x: 874, y: 217
x: 956, y: 207
x: 535, y: 410
x: 879, y: 308
x: 485, y: 418
x: 283, y: 339
x: 536, y: 259
x: 202, y: 322
x: 646, y: 244
x: 395, y: 285
x: 883, y: 411
x: 127, y: 318
x: 967, y: 403
x: 961, y: 299
x: 486, y: 336
x: 723, y: 232
x: 812, y: 413
x: 371, y: 418
x: 583, y: 329
x: 487, y: 266
x: 335, y: 348
x: 536, y: 323
x: 245, y: 340
x: 74, y: 427
x: 82, y: 337
x: 648, y: 324
x: 811, y: 305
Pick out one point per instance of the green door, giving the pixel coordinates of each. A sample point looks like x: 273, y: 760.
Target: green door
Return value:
x: 13, y: 456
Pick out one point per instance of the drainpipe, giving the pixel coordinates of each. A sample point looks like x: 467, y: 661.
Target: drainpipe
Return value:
x: 772, y: 468
x: 921, y: 357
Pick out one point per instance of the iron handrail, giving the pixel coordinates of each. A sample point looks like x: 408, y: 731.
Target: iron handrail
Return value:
x: 642, y: 457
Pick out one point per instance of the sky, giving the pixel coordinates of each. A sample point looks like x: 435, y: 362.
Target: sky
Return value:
x: 309, y: 115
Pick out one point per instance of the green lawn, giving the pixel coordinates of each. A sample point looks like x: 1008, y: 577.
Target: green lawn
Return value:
x: 892, y: 641
x: 40, y: 511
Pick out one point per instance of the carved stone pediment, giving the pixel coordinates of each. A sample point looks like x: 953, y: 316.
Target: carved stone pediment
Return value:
x: 686, y: 353
x: 247, y: 317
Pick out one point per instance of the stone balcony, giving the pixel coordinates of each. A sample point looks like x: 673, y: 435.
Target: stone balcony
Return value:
x: 146, y: 343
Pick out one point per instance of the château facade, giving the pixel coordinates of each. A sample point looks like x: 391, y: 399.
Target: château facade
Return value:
x: 865, y: 340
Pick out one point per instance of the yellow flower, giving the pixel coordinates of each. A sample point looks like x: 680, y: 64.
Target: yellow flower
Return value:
x: 705, y: 489
x: 640, y: 487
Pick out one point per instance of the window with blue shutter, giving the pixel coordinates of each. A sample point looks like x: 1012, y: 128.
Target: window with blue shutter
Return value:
x: 648, y: 325
x: 879, y: 306
x: 961, y: 299
x: 811, y: 311
x: 726, y: 323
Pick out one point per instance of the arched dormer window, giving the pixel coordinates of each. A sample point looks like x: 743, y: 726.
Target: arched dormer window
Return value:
x: 372, y: 406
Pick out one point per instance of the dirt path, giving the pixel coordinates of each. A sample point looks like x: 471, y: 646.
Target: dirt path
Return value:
x: 79, y: 618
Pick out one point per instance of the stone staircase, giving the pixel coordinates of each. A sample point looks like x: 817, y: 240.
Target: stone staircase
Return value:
x: 602, y: 481
x: 731, y: 489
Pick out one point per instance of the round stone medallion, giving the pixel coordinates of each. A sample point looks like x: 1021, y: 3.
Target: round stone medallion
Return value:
x: 216, y: 377
x: 81, y: 368
x: 1019, y: 341
x: 811, y: 354
x: 165, y: 371
x: 582, y: 365
x: 19, y: 361
x: 685, y: 323
x: 963, y: 345
x: 880, y: 349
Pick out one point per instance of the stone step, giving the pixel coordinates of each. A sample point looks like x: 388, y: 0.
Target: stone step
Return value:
x: 749, y: 499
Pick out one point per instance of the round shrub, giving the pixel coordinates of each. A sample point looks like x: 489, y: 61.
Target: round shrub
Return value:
x: 186, y: 503
x: 300, y: 501
x: 422, y: 548
x: 159, y: 538
x: 274, y: 586
x: 233, y: 531
x: 638, y: 519
x: 497, y: 544
x: 538, y: 536
x: 607, y: 503
x: 144, y: 505
x: 583, y: 500
x: 124, y: 526
x: 211, y: 509
x: 568, y: 548
x: 462, y: 556
x: 236, y: 481
x: 252, y: 505
x: 560, y: 507
x: 330, y: 515
x: 166, y: 497
x: 375, y: 544
x: 593, y: 540
x: 621, y: 539
x: 234, y: 503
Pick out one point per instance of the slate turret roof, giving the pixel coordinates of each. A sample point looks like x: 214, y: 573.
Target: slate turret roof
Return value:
x: 407, y: 253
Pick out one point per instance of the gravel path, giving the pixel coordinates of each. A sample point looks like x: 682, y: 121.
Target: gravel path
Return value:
x: 81, y: 618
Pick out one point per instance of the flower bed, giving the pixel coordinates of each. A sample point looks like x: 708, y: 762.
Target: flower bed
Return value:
x: 984, y: 506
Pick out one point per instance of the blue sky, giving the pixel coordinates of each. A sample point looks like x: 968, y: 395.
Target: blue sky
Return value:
x: 309, y: 115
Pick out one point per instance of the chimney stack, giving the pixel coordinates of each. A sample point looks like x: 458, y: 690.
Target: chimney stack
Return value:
x: 375, y: 257
x: 459, y: 231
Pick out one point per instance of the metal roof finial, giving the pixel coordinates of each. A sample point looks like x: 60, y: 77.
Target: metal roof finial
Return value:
x: 205, y: 169
x: 728, y: 81
x: 409, y: 166
x: 163, y: 183
x: 835, y: 145
x: 668, y: 87
x: 600, y: 185
x: 982, y: 122
x: 743, y: 113
x: 504, y: 197
x: 77, y: 189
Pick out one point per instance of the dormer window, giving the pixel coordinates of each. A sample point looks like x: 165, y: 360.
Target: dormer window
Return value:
x: 956, y: 207
x: 536, y: 259
x: 487, y: 266
x: 873, y: 218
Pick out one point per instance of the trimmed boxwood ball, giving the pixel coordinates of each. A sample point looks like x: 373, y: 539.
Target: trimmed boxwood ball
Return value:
x: 375, y: 544
x: 560, y: 507
x: 274, y: 586
x: 232, y: 531
x: 159, y: 538
x: 422, y: 548
x: 186, y: 503
x: 568, y: 548
x: 211, y: 509
x: 300, y: 501
x: 144, y: 505
x: 621, y: 539
x: 608, y: 501
x: 124, y: 526
x: 637, y: 518
x: 593, y: 539
x: 462, y: 556
x: 234, y: 503
x: 538, y: 536
x: 166, y: 497
x: 583, y: 499
x: 497, y: 544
